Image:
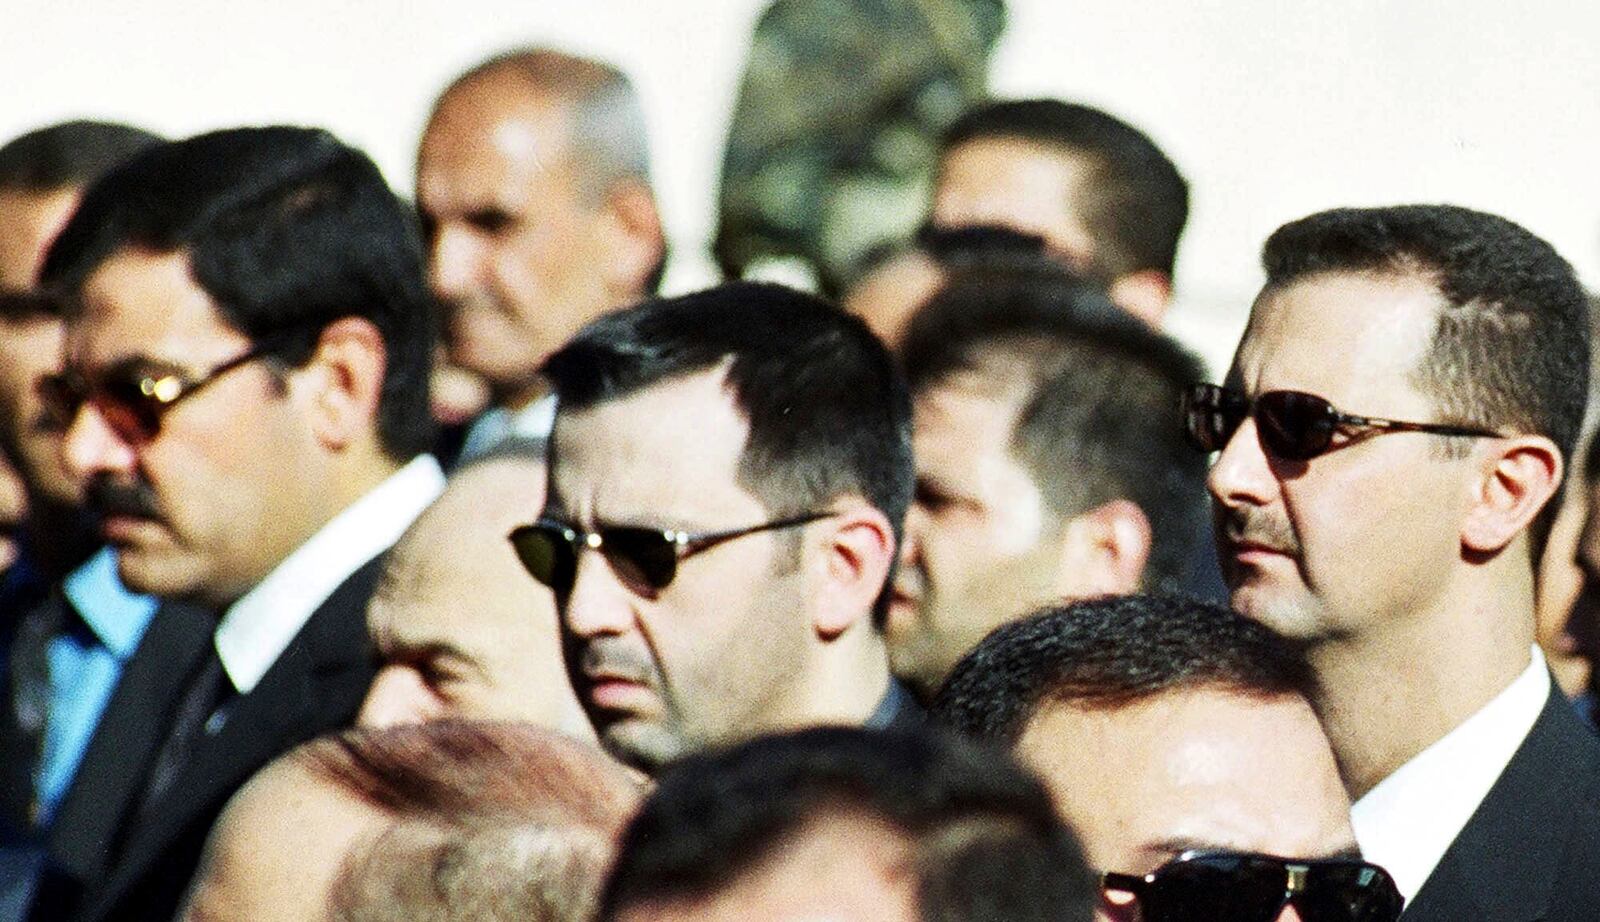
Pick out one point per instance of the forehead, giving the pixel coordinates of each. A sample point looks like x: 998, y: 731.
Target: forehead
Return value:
x: 489, y: 142
x: 1021, y: 184
x: 668, y: 453
x: 967, y: 415
x: 1205, y: 767
x: 138, y: 302
x: 29, y: 221
x: 1340, y: 334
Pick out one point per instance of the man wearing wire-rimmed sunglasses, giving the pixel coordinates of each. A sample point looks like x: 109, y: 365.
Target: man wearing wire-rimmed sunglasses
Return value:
x: 1396, y: 423
x: 729, y: 472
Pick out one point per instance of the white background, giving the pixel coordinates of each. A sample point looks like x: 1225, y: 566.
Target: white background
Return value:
x: 1273, y: 108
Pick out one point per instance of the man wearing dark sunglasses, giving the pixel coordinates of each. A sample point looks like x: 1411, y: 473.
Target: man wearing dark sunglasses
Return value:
x: 728, y: 475
x: 245, y: 394
x: 1392, y: 432
x: 1178, y: 739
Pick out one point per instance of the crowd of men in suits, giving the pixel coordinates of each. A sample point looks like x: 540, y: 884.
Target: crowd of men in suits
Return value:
x: 740, y: 604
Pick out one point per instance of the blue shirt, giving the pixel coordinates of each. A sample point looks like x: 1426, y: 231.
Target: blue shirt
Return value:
x: 85, y: 662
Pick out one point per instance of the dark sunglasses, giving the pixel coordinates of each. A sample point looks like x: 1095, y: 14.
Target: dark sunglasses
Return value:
x: 643, y: 558
x: 132, y: 400
x: 1229, y: 887
x: 1293, y: 425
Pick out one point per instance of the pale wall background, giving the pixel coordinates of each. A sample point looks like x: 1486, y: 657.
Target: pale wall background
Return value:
x: 1273, y: 108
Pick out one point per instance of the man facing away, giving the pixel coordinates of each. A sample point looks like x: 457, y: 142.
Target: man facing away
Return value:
x: 245, y: 391
x: 533, y: 179
x: 728, y: 475
x: 1396, y: 422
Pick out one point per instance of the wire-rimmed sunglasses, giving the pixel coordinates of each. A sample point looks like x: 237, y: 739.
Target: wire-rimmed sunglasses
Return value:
x: 1249, y: 887
x: 1293, y: 425
x: 643, y: 558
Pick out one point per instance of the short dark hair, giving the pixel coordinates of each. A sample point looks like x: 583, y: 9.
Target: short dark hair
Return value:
x: 68, y: 154
x: 1511, y: 347
x: 1099, y: 415
x: 286, y: 229
x: 829, y: 412
x: 987, y: 842
x: 1111, y: 652
x: 1134, y: 202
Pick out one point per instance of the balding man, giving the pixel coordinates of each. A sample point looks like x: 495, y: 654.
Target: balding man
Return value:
x: 533, y: 183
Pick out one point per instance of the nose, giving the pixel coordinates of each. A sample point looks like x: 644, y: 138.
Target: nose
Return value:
x: 454, y: 267
x: 910, y: 547
x: 90, y: 446
x: 398, y: 696
x: 1242, y: 475
x: 598, y: 603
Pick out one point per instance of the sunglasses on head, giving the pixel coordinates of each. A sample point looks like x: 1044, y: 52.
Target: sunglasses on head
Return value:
x: 1231, y: 887
x: 1292, y: 425
x: 643, y: 558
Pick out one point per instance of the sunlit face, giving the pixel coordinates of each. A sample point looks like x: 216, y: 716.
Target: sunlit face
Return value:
x: 838, y: 867
x: 1562, y: 581
x: 1195, y: 769
x: 278, y: 849
x: 519, y: 255
x: 30, y: 341
x: 1368, y: 534
x: 890, y: 295
x: 724, y: 651
x: 234, y: 480
x: 1022, y: 185
x: 981, y: 549
x: 461, y: 629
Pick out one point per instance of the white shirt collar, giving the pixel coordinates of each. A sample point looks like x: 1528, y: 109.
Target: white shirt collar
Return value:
x: 1407, y: 822
x: 495, y: 425
x: 256, y: 629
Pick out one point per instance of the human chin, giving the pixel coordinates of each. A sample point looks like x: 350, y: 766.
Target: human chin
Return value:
x: 640, y: 742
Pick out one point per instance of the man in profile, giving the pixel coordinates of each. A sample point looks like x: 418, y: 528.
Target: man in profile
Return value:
x: 459, y: 627
x: 1177, y: 737
x: 1106, y: 200
x: 724, y: 506
x: 1049, y: 461
x: 245, y: 394
x: 1394, y: 427
x: 533, y: 180
x: 849, y: 824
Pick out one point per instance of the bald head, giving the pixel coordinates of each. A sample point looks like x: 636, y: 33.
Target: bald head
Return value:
x: 462, y: 629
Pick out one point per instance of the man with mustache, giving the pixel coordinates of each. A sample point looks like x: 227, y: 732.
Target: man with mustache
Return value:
x: 533, y: 180
x: 1049, y: 460
x: 728, y: 474
x: 1396, y: 422
x: 245, y: 390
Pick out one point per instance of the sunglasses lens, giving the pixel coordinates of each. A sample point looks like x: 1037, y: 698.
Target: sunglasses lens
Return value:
x: 61, y: 397
x: 641, y: 557
x: 1211, y: 415
x: 546, y: 553
x: 1212, y: 888
x: 131, y: 413
x: 1294, y: 426
x: 1353, y: 893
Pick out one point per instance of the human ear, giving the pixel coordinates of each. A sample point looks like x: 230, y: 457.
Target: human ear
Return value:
x: 1144, y: 294
x: 343, y: 381
x: 1517, y: 476
x: 632, y: 236
x: 857, y: 551
x: 1104, y: 551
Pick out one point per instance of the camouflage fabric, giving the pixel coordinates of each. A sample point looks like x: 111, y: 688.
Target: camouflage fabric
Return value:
x: 836, y: 124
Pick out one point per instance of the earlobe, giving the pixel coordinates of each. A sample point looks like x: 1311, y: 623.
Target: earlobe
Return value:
x: 348, y: 367
x: 1518, y: 479
x: 1104, y: 551
x: 858, y: 549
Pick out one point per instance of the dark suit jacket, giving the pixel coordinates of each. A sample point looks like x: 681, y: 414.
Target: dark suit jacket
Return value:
x: 1532, y: 849
x: 314, y: 686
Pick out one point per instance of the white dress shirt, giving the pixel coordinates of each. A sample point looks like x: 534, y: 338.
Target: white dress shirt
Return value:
x: 256, y: 629
x: 1408, y: 821
x: 497, y: 424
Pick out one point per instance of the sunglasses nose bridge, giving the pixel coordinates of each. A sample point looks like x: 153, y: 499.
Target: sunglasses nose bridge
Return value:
x: 90, y: 444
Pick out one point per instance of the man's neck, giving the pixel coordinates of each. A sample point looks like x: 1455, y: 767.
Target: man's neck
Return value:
x: 1388, y: 696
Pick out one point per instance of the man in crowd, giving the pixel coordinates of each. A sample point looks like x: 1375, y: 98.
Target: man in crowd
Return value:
x: 1171, y: 733
x: 728, y: 475
x: 449, y: 820
x: 67, y: 625
x: 1050, y: 464
x: 460, y: 628
x: 1395, y: 425
x: 533, y: 180
x: 1105, y: 199
x: 837, y: 823
x: 245, y: 390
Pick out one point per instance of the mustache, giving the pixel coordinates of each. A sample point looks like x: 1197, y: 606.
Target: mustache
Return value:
x: 612, y: 657
x: 1250, y: 525
x: 109, y: 497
